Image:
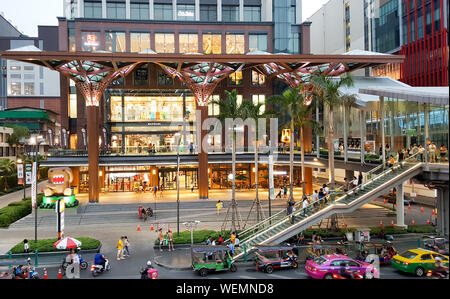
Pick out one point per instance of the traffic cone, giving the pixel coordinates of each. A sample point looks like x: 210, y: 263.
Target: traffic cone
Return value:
x: 139, y: 228
x: 59, y: 274
x: 151, y: 228
x: 432, y: 213
x: 392, y: 223
x: 384, y: 201
x: 374, y: 200
x: 205, y: 228
x: 45, y: 273
x: 409, y: 207
x: 42, y: 190
x: 381, y: 223
x: 343, y: 225
x: 413, y: 223
x: 309, y: 227
x: 421, y: 210
x: 428, y: 221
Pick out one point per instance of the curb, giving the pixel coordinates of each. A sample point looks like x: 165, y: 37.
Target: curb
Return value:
x: 32, y: 254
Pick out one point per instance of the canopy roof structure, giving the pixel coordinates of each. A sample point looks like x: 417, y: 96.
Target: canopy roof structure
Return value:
x: 200, y: 72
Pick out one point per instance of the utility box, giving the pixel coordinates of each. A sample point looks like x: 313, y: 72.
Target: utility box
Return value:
x: 362, y: 235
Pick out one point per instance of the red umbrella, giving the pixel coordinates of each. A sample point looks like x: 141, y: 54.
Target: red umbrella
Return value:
x: 67, y: 243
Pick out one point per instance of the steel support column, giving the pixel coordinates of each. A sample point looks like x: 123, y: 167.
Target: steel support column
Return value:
x: 400, y: 206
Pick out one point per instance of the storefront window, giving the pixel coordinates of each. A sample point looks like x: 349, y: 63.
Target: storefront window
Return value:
x: 260, y: 99
x: 141, y: 76
x: 258, y: 42
x: 208, y: 13
x: 73, y: 106
x: 258, y: 79
x: 115, y: 10
x: 164, y: 42
x: 235, y: 43
x: 15, y: 89
x: 185, y: 12
x: 93, y: 10
x: 28, y: 88
x: 116, y: 109
x: 235, y: 79
x: 90, y: 41
x: 72, y: 44
x: 164, y: 79
x: 115, y: 42
x: 188, y: 43
x: 163, y: 12
x: 139, y: 41
x: 139, y: 11
x: 213, y: 109
x: 212, y: 43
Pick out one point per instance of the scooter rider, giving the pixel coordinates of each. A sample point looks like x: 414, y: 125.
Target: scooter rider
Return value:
x: 343, y: 272
x: 144, y: 273
x: 100, y: 259
x: 439, y: 270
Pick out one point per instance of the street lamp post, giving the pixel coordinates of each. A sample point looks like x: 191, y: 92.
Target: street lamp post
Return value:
x: 178, y: 182
x: 20, y: 162
x: 35, y: 141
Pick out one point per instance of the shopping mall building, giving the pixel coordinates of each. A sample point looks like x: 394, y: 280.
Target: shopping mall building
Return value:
x: 147, y: 53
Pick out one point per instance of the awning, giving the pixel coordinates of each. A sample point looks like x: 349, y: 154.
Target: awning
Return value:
x: 428, y: 95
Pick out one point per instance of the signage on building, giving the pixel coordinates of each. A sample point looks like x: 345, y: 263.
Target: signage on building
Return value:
x: 91, y: 40
x: 28, y: 174
x: 185, y: 13
x: 20, y: 174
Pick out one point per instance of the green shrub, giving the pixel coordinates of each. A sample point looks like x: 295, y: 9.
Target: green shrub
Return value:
x: 200, y: 236
x: 46, y: 245
x: 421, y: 229
x: 16, y: 210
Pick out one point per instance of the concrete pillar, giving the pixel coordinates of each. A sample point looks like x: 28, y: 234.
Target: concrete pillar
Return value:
x: 241, y: 10
x: 308, y: 180
x: 197, y: 10
x: 92, y: 129
x: 203, y: 186
x: 362, y: 115
x: 383, y: 140
x: 153, y: 176
x: 152, y: 9
x: 443, y: 212
x: 104, y: 16
x: 127, y: 9
x: 219, y: 11
x: 400, y: 206
x: 408, y: 127
x: 425, y: 110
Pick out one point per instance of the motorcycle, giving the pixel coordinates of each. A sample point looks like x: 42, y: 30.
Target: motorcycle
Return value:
x: 150, y: 273
x: 97, y: 269
x: 354, y: 275
x: 28, y: 273
x: 83, y: 264
x: 437, y: 275
x: 147, y: 213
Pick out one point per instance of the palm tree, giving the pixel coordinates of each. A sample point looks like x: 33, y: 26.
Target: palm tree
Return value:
x: 230, y: 109
x: 7, y: 167
x: 291, y: 104
x: 326, y: 90
x: 253, y: 111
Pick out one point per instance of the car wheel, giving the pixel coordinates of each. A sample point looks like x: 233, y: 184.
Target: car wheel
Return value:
x: 203, y: 272
x: 420, y: 271
x: 295, y: 265
x: 269, y: 269
x: 94, y: 273
x: 84, y: 265
x: 233, y: 268
x: 328, y: 276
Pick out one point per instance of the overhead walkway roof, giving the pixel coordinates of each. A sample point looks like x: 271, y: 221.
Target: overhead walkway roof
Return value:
x: 428, y: 95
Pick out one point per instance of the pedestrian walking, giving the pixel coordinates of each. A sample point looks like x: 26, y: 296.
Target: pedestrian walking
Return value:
x: 236, y: 241
x: 280, y: 193
x: 285, y: 191
x: 305, y: 205
x: 76, y: 264
x: 325, y: 189
x: 233, y: 237
x: 432, y: 149
x: 119, y: 247
x: 161, y: 189
x: 315, y: 195
x: 155, y: 189
x: 126, y: 244
x: 26, y: 246
x: 161, y: 239
x: 219, y: 206
x: 421, y: 151
x: 220, y: 240
x: 170, y: 240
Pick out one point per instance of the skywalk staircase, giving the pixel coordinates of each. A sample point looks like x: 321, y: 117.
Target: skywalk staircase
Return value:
x: 279, y: 228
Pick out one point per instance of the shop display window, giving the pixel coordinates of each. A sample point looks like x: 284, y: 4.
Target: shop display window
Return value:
x: 212, y: 43
x: 235, y: 43
x: 115, y: 42
x: 188, y: 43
x: 90, y: 41
x: 139, y: 41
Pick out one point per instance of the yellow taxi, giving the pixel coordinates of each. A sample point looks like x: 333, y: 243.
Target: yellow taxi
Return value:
x: 418, y: 261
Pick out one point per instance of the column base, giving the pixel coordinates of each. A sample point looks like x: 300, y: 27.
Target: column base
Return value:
x: 400, y: 226
x: 93, y: 201
x: 204, y: 197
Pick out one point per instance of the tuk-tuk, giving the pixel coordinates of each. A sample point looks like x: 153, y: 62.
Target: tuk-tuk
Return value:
x: 377, y: 248
x: 270, y: 257
x: 439, y: 245
x: 317, y: 250
x: 209, y: 258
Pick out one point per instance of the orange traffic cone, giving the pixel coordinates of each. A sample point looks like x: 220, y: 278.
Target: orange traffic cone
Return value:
x: 45, y: 273
x: 421, y: 209
x: 413, y: 223
x: 374, y: 200
x: 151, y: 228
x: 381, y: 223
x: 205, y: 228
x: 432, y: 213
x: 409, y: 207
x: 42, y: 190
x: 392, y: 223
x: 59, y: 274
x: 343, y: 225
x: 309, y: 227
x: 384, y: 201
x: 428, y: 221
x: 139, y: 228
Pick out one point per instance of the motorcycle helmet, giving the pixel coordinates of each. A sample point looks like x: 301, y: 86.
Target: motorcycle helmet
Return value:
x: 149, y: 263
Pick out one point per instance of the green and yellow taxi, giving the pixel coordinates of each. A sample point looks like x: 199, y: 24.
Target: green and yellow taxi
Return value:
x: 418, y: 261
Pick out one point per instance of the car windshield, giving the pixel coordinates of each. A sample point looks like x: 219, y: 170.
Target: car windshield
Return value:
x: 408, y: 255
x: 270, y: 254
x: 320, y: 260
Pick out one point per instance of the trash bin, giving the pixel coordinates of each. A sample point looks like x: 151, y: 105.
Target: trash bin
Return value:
x: 362, y: 235
x: 140, y: 212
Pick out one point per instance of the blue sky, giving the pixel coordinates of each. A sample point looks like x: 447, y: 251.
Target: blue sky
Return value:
x: 28, y: 14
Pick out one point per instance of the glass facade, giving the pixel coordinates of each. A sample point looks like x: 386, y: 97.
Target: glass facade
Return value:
x: 163, y: 12
x: 188, y: 43
x: 208, y: 13
x: 230, y: 13
x: 93, y: 10
x: 90, y: 41
x: 212, y: 43
x: 115, y: 42
x: 235, y: 43
x: 252, y: 13
x: 235, y: 79
x: 139, y: 41
x: 164, y: 42
x: 185, y: 12
x: 139, y: 11
x: 285, y: 41
x: 115, y: 10
x: 387, y: 29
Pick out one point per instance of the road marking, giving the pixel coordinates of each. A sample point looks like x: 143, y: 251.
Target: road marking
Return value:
x: 278, y: 276
x: 246, y: 277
